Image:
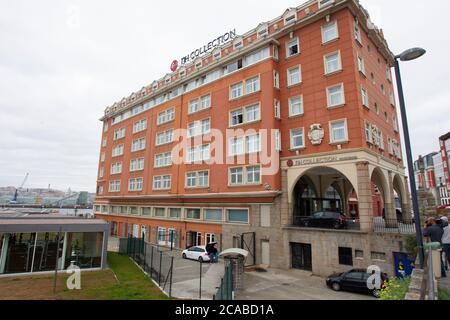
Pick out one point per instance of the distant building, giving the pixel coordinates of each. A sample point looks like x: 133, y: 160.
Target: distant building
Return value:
x: 443, y: 179
x: 425, y: 174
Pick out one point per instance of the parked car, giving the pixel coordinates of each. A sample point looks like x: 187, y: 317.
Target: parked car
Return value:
x: 196, y: 253
x: 324, y: 219
x: 354, y: 280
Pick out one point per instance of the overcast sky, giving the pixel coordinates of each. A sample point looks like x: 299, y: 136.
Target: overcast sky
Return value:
x: 63, y: 62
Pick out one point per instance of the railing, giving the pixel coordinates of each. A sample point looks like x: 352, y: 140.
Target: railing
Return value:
x: 156, y: 263
x: 381, y: 225
x: 333, y: 224
x: 225, y: 290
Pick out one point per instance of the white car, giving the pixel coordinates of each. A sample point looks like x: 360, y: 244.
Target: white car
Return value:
x: 196, y: 253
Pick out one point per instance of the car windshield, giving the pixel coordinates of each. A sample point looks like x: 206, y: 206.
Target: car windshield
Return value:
x: 354, y: 275
x: 318, y: 215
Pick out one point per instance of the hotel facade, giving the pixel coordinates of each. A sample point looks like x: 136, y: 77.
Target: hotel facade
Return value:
x: 241, y: 144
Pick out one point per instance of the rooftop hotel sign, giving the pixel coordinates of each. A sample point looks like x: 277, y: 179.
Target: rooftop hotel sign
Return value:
x: 230, y: 35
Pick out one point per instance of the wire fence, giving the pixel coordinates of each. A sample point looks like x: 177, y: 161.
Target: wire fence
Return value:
x: 381, y: 225
x: 157, y: 263
x: 225, y: 290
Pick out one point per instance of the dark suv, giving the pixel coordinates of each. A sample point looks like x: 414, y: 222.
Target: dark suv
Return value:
x: 355, y: 281
x: 324, y: 219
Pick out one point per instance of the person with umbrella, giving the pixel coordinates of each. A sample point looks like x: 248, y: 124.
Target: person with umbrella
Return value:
x: 212, y: 251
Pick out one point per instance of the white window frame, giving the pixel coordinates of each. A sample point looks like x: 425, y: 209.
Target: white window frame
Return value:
x: 345, y: 140
x: 244, y: 111
x: 326, y: 62
x: 365, y: 97
x: 167, y: 137
x: 120, y: 153
x: 163, y: 160
x: 290, y: 44
x: 140, y: 126
x: 197, y: 178
x: 324, y: 41
x: 114, y: 186
x: 140, y: 164
x: 165, y: 116
x: 198, y: 154
x: 135, y: 184
x: 361, y: 65
x: 119, y: 134
x: 293, y: 147
x: 330, y: 106
x: 244, y: 176
x: 142, y: 145
x: 291, y: 104
x: 289, y: 76
x: 162, y: 179
x: 116, y: 168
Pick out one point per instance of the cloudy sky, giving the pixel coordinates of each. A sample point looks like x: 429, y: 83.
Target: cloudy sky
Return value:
x: 62, y: 62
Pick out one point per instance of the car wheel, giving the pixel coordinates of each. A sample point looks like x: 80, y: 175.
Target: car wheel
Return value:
x: 336, y: 225
x: 200, y: 259
x: 376, y: 293
x: 336, y: 286
x: 184, y: 256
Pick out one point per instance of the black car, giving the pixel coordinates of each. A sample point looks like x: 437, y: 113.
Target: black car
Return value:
x: 355, y: 281
x: 325, y: 219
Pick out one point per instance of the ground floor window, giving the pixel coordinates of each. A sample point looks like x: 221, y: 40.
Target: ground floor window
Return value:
x: 301, y: 256
x: 238, y: 215
x: 210, y: 238
x: 345, y: 256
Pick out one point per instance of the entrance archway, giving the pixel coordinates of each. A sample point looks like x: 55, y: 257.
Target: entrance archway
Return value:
x: 323, y: 189
x: 400, y: 197
x: 380, y: 191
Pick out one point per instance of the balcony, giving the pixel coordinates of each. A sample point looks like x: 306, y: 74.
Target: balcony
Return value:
x: 326, y: 220
x: 394, y: 226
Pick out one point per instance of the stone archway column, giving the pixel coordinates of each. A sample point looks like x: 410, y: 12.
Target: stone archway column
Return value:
x: 287, y: 208
x: 406, y: 203
x: 389, y: 205
x: 364, y: 196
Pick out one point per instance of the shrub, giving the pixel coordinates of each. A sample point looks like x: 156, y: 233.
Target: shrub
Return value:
x: 396, y: 289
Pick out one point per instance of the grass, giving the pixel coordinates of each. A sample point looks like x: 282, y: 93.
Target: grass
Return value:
x: 123, y: 281
x: 443, y: 295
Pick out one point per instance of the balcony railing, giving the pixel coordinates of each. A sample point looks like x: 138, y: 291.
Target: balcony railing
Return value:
x: 333, y: 224
x: 381, y: 225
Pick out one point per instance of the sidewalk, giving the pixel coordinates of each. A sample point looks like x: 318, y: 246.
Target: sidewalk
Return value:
x: 444, y: 283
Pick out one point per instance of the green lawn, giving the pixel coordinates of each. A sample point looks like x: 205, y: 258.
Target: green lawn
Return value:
x: 443, y: 295
x: 123, y: 281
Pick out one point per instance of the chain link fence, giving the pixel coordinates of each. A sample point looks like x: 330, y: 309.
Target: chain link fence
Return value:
x: 225, y: 290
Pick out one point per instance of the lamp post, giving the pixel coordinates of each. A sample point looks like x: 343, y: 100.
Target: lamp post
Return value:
x: 409, y: 55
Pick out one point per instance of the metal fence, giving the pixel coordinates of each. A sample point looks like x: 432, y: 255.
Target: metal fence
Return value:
x: 225, y: 290
x: 381, y: 225
x: 152, y: 259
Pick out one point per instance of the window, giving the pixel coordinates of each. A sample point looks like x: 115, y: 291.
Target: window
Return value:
x: 236, y: 90
x: 200, y: 104
x: 378, y: 256
x: 297, y: 138
x: 238, y: 43
x: 238, y: 215
x: 395, y: 123
x: 100, y: 172
x: 335, y: 96
x: 138, y: 145
x: 295, y: 106
x: 359, y: 254
x: 332, y: 63
x: 162, y: 182
x: 329, y: 32
x: 140, y: 126
x: 217, y: 54
x: 276, y: 79
x: 198, y: 179
x: 160, y: 212
x: 198, y: 154
x: 192, y: 213
x: 368, y: 132
x: 163, y: 160
x: 253, y: 143
x: 392, y: 98
x: 252, y: 85
x: 364, y: 97
x: 175, y: 213
x: 245, y: 115
x: 388, y: 73
x: 254, y: 174
x: 116, y: 168
x: 164, y: 137
x: 117, y: 151
x: 102, y: 156
x: 166, y: 116
x: 290, y: 17
x: 114, y: 186
x: 324, y: 3
x: 357, y: 32
x: 294, y: 76
x: 345, y: 256
x: 236, y: 146
x: 146, y: 211
x: 119, y: 134
x: 134, y: 210
x: 361, y: 66
x: 245, y: 175
x: 277, y: 109
x: 104, y: 142
x: 263, y: 30
x: 199, y: 128
x: 135, y: 184
x: 213, y: 214
x: 137, y: 164
x: 210, y: 238
x: 338, y: 131
x: 292, y: 48
x: 256, y: 56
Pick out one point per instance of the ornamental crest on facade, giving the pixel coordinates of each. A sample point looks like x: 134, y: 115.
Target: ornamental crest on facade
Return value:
x: 316, y: 134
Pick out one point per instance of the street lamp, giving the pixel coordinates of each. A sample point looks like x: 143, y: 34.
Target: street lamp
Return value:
x: 409, y: 55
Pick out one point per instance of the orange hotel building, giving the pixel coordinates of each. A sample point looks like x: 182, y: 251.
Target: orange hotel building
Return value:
x: 318, y: 80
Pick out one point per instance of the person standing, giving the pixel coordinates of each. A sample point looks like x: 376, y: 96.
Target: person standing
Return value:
x: 434, y: 232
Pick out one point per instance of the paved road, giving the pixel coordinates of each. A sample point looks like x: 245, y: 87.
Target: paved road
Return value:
x: 290, y: 285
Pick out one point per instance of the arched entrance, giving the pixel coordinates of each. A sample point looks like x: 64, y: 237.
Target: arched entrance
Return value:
x: 401, y: 201
x: 324, y: 192
x: 379, y: 189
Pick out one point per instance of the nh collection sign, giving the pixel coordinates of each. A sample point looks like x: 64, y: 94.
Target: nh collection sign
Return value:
x: 313, y: 161
x: 230, y: 35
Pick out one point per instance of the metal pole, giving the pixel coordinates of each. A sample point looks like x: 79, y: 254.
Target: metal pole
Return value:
x: 56, y: 263
x: 151, y: 264
x: 412, y: 179
x: 160, y: 265
x: 171, y: 273
x: 200, y: 287
x: 145, y: 256
x: 171, y: 240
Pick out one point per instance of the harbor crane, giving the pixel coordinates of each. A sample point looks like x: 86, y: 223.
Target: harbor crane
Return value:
x: 16, y: 193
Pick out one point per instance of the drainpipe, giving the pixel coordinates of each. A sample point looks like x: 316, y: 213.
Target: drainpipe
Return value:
x: 4, y: 253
